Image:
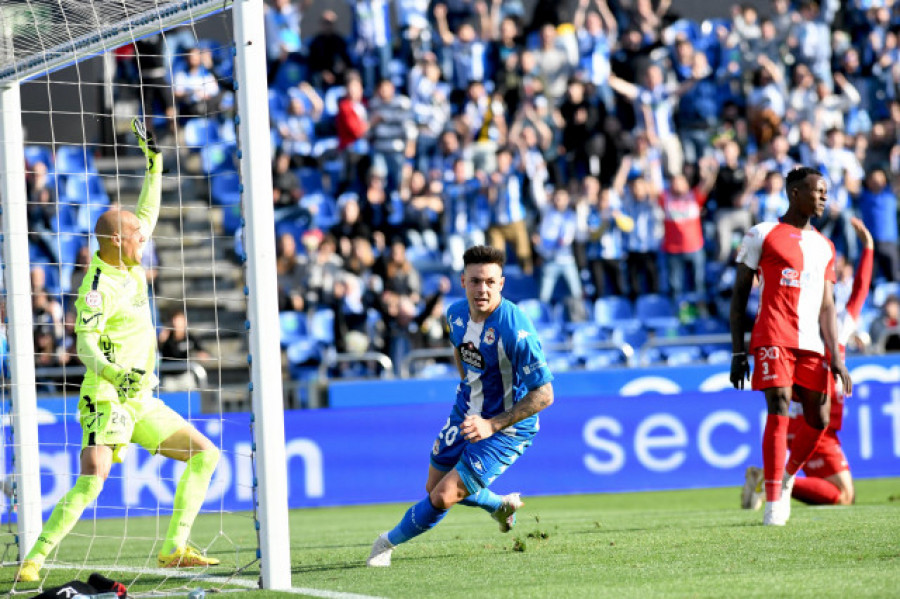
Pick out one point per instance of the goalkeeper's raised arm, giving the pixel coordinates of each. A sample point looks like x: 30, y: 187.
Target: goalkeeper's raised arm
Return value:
x: 147, y: 209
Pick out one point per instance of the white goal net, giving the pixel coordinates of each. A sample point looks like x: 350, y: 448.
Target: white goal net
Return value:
x: 73, y: 74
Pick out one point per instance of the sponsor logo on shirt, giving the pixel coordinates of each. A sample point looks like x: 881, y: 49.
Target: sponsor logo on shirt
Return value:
x: 489, y: 336
x: 471, y: 356
x: 529, y: 368
x: 768, y: 353
x: 792, y: 278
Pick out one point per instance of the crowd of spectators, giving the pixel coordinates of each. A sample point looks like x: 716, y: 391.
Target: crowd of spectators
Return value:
x: 612, y: 148
x: 617, y: 147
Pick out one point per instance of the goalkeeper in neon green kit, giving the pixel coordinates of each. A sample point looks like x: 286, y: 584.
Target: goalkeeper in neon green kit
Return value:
x: 116, y: 341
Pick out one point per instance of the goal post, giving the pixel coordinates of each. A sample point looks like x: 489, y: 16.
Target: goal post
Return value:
x: 265, y: 356
x: 58, y: 39
x: 19, y: 318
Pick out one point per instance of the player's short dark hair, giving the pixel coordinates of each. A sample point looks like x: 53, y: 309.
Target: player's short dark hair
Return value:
x: 483, y: 254
x: 798, y: 175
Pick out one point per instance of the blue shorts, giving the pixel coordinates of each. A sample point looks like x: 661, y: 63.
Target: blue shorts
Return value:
x: 478, y: 463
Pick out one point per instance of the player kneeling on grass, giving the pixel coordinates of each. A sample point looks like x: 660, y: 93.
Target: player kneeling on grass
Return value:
x: 116, y: 341
x: 505, y: 383
x: 828, y: 480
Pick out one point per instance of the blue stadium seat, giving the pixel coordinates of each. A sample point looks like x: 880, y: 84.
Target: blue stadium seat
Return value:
x: 302, y: 352
x: 719, y: 356
x: 708, y: 325
x: 293, y: 327
x: 217, y: 157
x: 603, y: 358
x: 653, y: 306
x: 883, y: 290
x: 71, y: 160
x: 585, y: 337
x: 681, y: 355
x: 66, y: 216
x: 310, y: 179
x: 518, y: 286
x: 86, y: 216
x: 85, y: 188
x: 631, y: 332
x: 561, y: 362
x: 665, y: 326
x: 321, y: 326
x: 277, y: 106
x: 611, y: 309
x: 35, y: 154
x: 231, y: 222
x: 225, y: 188
x: 199, y: 132
x: 537, y: 311
x: 326, y: 213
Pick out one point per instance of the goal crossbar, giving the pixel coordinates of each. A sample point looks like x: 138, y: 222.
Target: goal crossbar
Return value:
x: 21, y: 59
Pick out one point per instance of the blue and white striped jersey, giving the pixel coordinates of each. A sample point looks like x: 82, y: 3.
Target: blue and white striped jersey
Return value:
x: 502, y: 359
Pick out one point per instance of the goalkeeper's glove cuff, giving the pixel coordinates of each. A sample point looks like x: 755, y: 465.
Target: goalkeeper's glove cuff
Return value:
x: 110, y: 373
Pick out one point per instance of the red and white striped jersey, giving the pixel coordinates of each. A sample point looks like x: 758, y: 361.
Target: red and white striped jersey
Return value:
x: 793, y: 265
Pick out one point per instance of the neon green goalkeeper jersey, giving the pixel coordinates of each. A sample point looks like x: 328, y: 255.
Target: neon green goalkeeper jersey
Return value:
x: 113, y: 305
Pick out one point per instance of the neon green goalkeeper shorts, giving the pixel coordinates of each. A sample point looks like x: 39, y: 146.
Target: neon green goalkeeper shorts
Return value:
x: 146, y: 421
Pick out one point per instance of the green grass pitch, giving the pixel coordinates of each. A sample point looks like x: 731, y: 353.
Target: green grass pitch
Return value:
x: 671, y: 544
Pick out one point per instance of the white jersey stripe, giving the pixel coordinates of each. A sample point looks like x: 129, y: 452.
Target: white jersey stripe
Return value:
x: 476, y: 395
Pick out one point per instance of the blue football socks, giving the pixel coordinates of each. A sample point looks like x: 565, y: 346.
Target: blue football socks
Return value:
x: 485, y: 499
x: 418, y: 519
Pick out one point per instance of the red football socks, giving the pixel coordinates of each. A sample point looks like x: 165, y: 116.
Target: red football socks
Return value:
x: 815, y: 491
x: 804, y: 445
x: 774, y: 449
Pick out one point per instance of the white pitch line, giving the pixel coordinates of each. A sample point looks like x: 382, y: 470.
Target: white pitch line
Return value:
x: 241, y: 582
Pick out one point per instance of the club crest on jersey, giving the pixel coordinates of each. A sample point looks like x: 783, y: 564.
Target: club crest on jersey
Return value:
x: 93, y: 299
x: 471, y: 356
x: 489, y: 336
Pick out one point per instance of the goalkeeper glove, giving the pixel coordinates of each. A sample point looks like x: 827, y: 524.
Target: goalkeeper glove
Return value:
x: 128, y: 383
x: 148, y: 145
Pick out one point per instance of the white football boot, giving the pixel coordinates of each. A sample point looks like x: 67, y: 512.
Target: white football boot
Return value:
x: 380, y: 556
x: 506, y: 513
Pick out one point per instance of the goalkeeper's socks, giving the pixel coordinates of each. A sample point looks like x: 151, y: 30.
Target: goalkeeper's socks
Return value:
x: 420, y: 518
x: 189, y: 496
x: 774, y: 450
x: 816, y: 491
x: 485, y: 499
x: 65, y: 515
x: 803, y: 446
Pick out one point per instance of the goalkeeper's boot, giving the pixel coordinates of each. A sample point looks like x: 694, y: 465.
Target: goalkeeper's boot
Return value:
x: 29, y: 571
x: 147, y: 143
x: 380, y: 556
x: 185, y: 557
x: 752, y: 493
x: 506, y: 513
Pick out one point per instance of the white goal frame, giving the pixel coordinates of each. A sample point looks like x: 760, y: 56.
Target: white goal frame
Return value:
x: 262, y: 310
